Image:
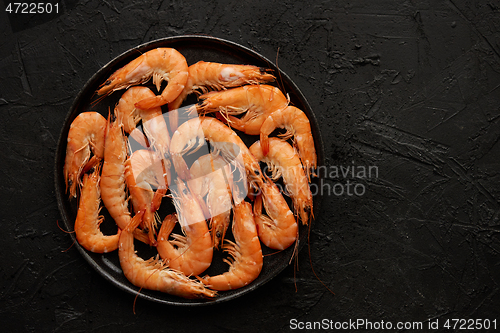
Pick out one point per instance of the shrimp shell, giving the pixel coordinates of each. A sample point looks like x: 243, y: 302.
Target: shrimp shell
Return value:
x: 160, y: 64
x: 209, y: 177
x: 194, y: 252
x: 153, y: 122
x: 246, y: 259
x: 223, y: 138
x: 284, y: 162
x: 297, y: 126
x: 190, y: 254
x: 88, y: 220
x: 113, y: 185
x: 152, y: 274
x: 207, y: 76
x: 143, y: 168
x: 278, y: 229
x: 86, y: 134
x: 256, y: 101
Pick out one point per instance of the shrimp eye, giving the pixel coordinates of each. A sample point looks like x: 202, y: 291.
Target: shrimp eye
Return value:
x: 307, y: 209
x: 218, y: 234
x: 107, y: 83
x: 257, y: 172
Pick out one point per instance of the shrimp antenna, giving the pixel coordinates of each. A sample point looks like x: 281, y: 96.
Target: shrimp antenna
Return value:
x: 135, y: 300
x: 65, y: 231
x: 280, y: 81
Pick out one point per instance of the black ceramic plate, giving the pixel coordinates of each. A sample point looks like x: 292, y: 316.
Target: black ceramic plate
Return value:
x: 194, y: 48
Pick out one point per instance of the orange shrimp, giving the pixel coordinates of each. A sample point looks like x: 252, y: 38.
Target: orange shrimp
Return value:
x: 209, y: 178
x: 207, y: 76
x: 160, y: 64
x: 246, y: 259
x: 283, y: 161
x: 297, y: 126
x: 113, y: 191
x: 256, y: 101
x: 86, y: 134
x: 153, y: 274
x: 152, y: 119
x: 143, y: 168
x: 222, y: 138
x: 191, y: 254
x: 88, y: 220
x: 278, y: 230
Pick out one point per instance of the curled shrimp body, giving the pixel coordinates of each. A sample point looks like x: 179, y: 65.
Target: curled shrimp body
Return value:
x: 246, y: 259
x: 222, y: 138
x: 278, y: 229
x: 160, y: 64
x: 152, y: 274
x: 297, y: 126
x: 207, y: 76
x: 88, y: 220
x: 284, y: 162
x: 256, y: 101
x: 86, y: 134
x: 142, y: 169
x: 153, y: 122
x: 191, y: 254
x: 113, y: 185
x: 209, y: 178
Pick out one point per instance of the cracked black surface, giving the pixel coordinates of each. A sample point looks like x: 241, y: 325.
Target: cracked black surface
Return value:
x: 411, y: 87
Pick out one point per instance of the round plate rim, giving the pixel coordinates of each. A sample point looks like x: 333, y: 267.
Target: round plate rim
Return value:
x: 163, y: 42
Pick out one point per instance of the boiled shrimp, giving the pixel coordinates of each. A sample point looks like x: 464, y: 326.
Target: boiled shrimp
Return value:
x: 152, y: 119
x: 297, y: 126
x: 153, y: 274
x: 142, y: 169
x: 206, y: 76
x: 257, y: 102
x: 113, y: 185
x: 284, y: 162
x: 192, y: 253
x: 278, y: 229
x: 192, y: 134
x: 86, y: 135
x: 212, y: 177
x: 160, y: 64
x: 245, y: 263
x: 88, y: 220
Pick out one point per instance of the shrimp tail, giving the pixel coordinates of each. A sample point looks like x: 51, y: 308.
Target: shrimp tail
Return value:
x: 167, y: 226
x: 181, y: 167
x: 264, y: 143
x: 135, y: 221
x: 151, y: 102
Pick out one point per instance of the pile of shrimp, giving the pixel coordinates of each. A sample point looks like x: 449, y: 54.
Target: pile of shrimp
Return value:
x: 233, y: 185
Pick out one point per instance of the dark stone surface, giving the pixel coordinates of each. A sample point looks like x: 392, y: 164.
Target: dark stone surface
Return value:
x: 411, y: 87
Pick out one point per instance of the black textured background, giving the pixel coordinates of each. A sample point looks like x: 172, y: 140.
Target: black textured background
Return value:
x: 411, y: 87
